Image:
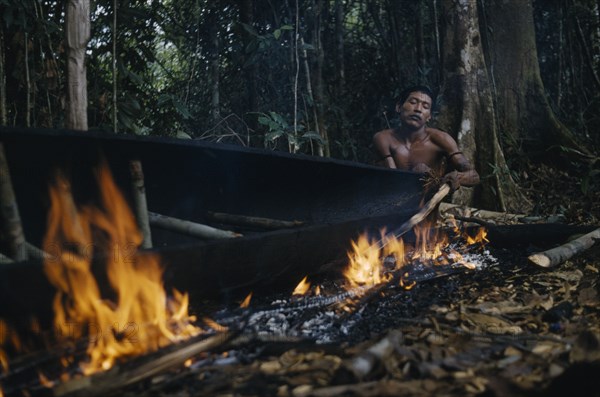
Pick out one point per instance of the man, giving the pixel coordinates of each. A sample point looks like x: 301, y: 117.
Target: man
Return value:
x: 414, y: 146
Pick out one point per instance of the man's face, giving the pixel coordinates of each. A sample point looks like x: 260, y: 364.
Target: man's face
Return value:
x: 416, y: 110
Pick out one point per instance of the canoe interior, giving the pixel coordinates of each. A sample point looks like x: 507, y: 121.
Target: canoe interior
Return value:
x: 336, y: 200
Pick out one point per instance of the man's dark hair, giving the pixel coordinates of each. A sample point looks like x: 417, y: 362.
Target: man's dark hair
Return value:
x: 416, y: 88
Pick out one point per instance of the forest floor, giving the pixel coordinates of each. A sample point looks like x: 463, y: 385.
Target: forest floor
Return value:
x: 513, y: 329
x: 506, y: 329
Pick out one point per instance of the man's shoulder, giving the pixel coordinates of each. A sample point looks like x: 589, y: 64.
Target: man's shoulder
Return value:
x: 438, y: 136
x: 383, y: 134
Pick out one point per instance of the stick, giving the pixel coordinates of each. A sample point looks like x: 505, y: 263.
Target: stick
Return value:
x: 423, y: 212
x: 243, y: 220
x: 119, y: 377
x: 558, y: 255
x: 35, y: 252
x: 189, y: 228
x: 139, y: 197
x: 5, y: 260
x: 12, y: 229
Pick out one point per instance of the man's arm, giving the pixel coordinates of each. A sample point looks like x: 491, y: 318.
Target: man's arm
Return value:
x: 464, y: 174
x: 382, y: 149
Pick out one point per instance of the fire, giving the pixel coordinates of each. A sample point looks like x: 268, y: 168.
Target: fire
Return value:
x: 302, y: 287
x: 140, y: 317
x: 246, y: 302
x: 373, y: 261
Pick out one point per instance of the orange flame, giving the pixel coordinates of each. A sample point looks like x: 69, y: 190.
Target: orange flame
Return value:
x: 367, y: 258
x: 246, y: 302
x: 141, y: 318
x: 302, y: 287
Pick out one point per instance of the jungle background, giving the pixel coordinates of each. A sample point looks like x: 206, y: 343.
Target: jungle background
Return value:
x: 518, y: 81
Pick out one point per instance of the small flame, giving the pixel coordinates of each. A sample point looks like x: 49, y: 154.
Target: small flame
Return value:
x: 302, y: 287
x: 141, y: 318
x: 246, y: 302
x: 214, y: 325
x: 368, y: 259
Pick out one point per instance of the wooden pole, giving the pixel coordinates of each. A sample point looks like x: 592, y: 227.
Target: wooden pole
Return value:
x: 558, y: 255
x: 12, y: 229
x: 242, y: 220
x: 189, y: 228
x: 139, y: 197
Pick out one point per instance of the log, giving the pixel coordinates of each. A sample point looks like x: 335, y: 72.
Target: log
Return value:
x: 139, y: 198
x: 36, y: 253
x: 119, y: 377
x: 242, y: 220
x: 5, y: 260
x: 469, y: 212
x: 189, y: 228
x: 558, y: 255
x: 12, y: 229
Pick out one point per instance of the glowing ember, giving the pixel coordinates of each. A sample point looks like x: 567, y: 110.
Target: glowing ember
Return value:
x: 141, y: 318
x: 302, y: 287
x: 369, y: 259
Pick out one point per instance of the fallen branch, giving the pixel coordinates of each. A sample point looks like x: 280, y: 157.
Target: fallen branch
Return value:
x: 190, y: 228
x: 36, y: 253
x: 558, y: 255
x: 242, y: 220
x: 5, y: 260
x: 121, y: 376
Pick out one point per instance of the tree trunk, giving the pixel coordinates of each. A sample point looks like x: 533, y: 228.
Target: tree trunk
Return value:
x: 339, y: 45
x: 468, y: 112
x: 77, y: 36
x: 251, y: 71
x: 419, y: 39
x: 3, y: 115
x: 214, y: 65
x: 523, y: 110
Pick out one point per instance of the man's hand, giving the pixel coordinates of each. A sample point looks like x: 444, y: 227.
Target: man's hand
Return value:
x: 421, y: 167
x: 451, y: 179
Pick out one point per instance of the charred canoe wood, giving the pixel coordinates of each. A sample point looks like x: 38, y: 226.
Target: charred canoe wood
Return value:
x: 190, y: 228
x: 12, y: 228
x: 253, y: 221
x: 558, y: 255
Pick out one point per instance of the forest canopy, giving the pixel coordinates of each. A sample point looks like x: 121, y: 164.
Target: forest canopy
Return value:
x: 320, y: 76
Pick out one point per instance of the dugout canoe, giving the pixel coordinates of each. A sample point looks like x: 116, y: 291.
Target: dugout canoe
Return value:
x: 187, y: 179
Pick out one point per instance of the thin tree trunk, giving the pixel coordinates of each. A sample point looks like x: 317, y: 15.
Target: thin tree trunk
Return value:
x: 114, y: 68
x: 139, y: 198
x: 339, y: 45
x: 214, y: 66
x: 560, y: 57
x: 27, y: 84
x: 438, y: 53
x: 3, y: 115
x: 251, y: 71
x: 420, y: 42
x: 77, y: 36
